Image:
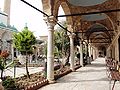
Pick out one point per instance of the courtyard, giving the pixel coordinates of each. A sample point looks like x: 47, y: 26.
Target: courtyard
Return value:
x: 80, y: 49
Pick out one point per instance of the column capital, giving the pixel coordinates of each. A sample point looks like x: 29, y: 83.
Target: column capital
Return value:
x: 50, y: 21
x: 69, y: 27
x: 72, y: 35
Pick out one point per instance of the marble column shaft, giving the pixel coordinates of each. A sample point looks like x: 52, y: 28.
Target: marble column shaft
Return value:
x: 72, y: 52
x: 81, y: 53
x: 50, y: 48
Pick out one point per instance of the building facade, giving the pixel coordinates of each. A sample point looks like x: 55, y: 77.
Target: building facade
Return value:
x: 6, y: 30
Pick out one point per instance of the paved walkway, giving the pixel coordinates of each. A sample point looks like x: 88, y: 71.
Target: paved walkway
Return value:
x: 90, y: 77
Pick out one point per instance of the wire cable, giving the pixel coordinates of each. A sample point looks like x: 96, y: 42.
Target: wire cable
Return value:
x: 44, y: 14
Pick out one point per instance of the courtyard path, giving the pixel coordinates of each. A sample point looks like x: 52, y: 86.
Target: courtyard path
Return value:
x: 21, y: 71
x: 90, y: 77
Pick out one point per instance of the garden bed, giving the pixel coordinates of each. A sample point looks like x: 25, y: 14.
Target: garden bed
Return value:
x: 64, y: 71
x: 37, y: 80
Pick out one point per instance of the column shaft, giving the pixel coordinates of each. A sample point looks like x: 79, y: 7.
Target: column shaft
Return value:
x: 71, y: 53
x: 89, y: 47
x: 12, y: 52
x: 81, y: 54
x: 50, y: 48
x: 50, y: 57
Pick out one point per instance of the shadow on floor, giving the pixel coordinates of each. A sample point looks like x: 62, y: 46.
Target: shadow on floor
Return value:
x: 97, y: 65
x: 90, y: 70
x: 92, y: 80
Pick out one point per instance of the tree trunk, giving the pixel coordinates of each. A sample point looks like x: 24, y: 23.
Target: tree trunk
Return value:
x: 2, y: 74
x: 67, y: 60
x: 26, y: 66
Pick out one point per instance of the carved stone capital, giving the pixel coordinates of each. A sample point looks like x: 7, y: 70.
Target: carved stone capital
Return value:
x: 69, y: 27
x: 72, y: 35
x: 50, y: 21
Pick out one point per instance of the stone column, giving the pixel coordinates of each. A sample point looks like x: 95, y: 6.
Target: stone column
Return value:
x: 92, y: 50
x: 12, y: 52
x: 50, y: 49
x: 94, y: 56
x: 92, y: 53
x: 81, y: 53
x: 7, y: 5
x: 96, y: 53
x: 72, y: 51
x: 17, y: 53
x: 89, y: 47
x: 88, y: 54
x: 87, y: 50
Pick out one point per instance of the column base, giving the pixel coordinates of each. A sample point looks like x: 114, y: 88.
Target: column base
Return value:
x: 51, y: 81
x: 73, y: 70
x: 81, y: 65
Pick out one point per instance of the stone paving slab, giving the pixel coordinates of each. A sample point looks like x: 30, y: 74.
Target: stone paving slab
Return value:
x: 90, y: 77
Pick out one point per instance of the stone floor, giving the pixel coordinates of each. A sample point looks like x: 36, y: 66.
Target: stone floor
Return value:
x: 90, y: 77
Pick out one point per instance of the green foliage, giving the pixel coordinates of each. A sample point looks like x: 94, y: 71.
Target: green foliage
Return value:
x: 62, y: 43
x: 9, y: 84
x: 24, y: 40
x: 3, y: 65
x: 45, y: 50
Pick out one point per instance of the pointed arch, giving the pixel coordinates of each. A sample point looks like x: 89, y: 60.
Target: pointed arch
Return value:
x: 65, y: 8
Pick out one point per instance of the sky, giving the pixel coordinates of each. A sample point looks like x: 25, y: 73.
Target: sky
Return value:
x: 22, y: 14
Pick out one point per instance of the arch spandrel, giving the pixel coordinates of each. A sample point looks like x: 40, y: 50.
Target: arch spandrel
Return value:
x: 47, y: 7
x: 65, y: 8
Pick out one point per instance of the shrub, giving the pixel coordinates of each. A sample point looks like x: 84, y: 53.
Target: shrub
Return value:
x: 9, y: 83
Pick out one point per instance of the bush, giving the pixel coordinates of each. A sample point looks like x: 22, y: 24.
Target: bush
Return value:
x: 9, y: 83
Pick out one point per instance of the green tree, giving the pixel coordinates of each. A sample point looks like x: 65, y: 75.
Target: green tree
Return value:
x: 24, y: 41
x: 62, y: 42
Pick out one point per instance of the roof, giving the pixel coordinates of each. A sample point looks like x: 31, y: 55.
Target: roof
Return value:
x: 9, y: 27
